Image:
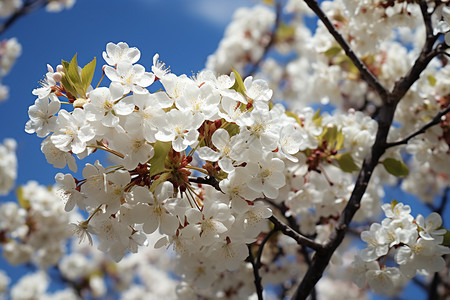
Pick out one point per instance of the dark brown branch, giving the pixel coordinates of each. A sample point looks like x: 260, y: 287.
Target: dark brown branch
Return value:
x: 426, y: 19
x: 433, y: 122
x: 206, y: 180
x: 258, y: 285
x: 364, y: 71
x: 405, y: 83
x: 271, y: 40
x: 433, y: 288
x: 321, y: 258
x: 444, y: 201
x: 261, y: 247
x: 300, y: 239
x: 27, y: 7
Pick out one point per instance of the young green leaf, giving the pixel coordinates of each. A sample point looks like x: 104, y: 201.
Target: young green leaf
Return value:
x: 333, y: 51
x: 317, y: 118
x: 393, y: 204
x: 158, y: 181
x: 395, y: 167
x: 346, y: 162
x: 238, y: 83
x: 22, y: 201
x: 432, y: 80
x: 157, y: 162
x: 87, y: 73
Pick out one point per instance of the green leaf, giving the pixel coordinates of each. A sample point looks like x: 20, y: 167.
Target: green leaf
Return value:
x: 285, y: 32
x: 346, y: 162
x: 238, y: 85
x: 232, y: 129
x: 333, y: 51
x: 339, y: 140
x: 395, y: 167
x: 65, y: 80
x: 295, y: 116
x: 432, y: 80
x: 317, y: 118
x: 68, y: 86
x: 446, y: 241
x: 157, y: 162
x: 330, y: 135
x: 87, y: 73
x: 393, y: 204
x: 158, y: 181
x: 73, y: 83
x: 21, y: 200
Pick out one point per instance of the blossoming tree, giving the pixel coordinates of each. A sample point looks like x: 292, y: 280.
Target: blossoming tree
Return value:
x: 239, y: 181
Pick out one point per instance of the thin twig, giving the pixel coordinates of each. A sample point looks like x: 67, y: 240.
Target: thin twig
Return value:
x: 364, y: 71
x: 258, y: 285
x: 26, y: 8
x: 444, y: 201
x: 433, y: 122
x: 261, y: 247
x: 300, y: 239
x: 206, y: 180
x: 433, y: 288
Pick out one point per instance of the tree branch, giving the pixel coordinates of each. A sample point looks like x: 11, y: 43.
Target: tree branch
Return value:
x: 321, y: 258
x: 258, y: 285
x: 300, y: 239
x: 206, y: 180
x: 364, y: 71
x: 26, y: 8
x: 433, y: 122
x: 261, y: 247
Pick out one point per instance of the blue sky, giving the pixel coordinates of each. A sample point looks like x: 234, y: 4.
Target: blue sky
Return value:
x: 183, y: 32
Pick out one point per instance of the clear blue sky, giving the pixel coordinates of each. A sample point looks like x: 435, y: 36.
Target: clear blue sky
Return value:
x: 183, y: 32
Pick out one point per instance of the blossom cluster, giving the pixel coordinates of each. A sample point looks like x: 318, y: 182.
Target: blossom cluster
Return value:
x: 34, y: 229
x: 223, y: 127
x: 235, y: 133
x: 414, y: 243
